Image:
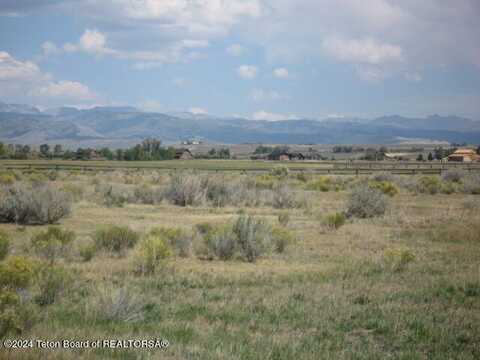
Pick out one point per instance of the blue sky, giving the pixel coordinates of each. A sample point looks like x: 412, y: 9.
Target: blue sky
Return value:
x: 261, y: 59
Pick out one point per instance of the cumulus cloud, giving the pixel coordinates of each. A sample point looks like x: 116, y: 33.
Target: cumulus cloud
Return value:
x: 247, y: 72
x: 94, y: 42
x: 65, y: 90
x: 269, y: 116
x: 235, y: 50
x: 281, y: 73
x: 20, y: 79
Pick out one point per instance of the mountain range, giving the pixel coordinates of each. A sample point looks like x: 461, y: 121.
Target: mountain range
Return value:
x: 125, y: 126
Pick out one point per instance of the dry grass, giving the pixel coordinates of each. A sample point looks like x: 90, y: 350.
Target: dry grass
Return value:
x: 329, y: 295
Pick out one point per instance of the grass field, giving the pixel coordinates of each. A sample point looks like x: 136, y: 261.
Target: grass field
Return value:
x: 403, y: 285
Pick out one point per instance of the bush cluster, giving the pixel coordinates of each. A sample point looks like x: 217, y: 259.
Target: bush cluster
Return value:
x: 44, y: 204
x: 115, y: 239
x: 246, y: 238
x: 52, y: 243
x: 365, y: 202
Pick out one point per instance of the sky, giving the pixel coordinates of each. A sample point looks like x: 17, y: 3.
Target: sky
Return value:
x: 259, y: 59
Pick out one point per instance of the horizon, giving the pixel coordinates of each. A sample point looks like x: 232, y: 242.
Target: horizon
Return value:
x: 248, y: 59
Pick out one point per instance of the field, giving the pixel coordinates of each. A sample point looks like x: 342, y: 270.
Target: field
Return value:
x: 402, y: 282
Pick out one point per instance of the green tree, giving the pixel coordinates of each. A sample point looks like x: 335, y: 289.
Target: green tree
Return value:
x: 430, y: 156
x: 420, y: 157
x: 45, y: 150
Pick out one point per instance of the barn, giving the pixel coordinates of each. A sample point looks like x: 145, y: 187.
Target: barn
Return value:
x: 464, y: 155
x: 183, y: 154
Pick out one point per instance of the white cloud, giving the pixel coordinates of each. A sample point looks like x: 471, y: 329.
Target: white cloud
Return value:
x: 235, y: 50
x: 20, y: 79
x: 95, y: 42
x: 281, y: 73
x: 269, y: 116
x: 363, y: 51
x: 65, y: 90
x: 198, y: 111
x: 247, y: 71
x: 49, y: 48
x: 260, y: 95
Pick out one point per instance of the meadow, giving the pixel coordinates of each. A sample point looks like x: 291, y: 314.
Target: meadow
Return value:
x: 241, y: 265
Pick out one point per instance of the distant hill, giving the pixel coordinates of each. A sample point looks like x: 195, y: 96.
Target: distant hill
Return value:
x: 124, y: 126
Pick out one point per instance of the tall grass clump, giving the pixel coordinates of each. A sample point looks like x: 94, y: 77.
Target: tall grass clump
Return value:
x: 150, y: 253
x: 365, y: 202
x: 429, y: 185
x: 16, y: 275
x: 386, y: 187
x: 186, y: 189
x: 177, y: 239
x: 44, y: 204
x: 115, y: 239
x: 284, y: 197
x: 453, y: 175
x: 253, y: 236
x: 109, y: 303
x: 471, y: 184
x: 334, y: 221
x: 52, y: 243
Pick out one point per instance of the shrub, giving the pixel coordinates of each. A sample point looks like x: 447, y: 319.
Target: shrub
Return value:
x: 322, y: 183
x: 284, y: 218
x: 398, y: 259
x: 383, y: 176
x: 87, y: 251
x: 15, y: 315
x: 152, y: 250
x: 37, y: 178
x: 16, y: 272
x: 471, y: 183
x: 429, y: 185
x: 334, y: 221
x: 365, y: 202
x: 116, y: 304
x: 74, y: 191
x: 252, y: 237
x: 281, y: 238
x: 113, y: 196
x: 52, y: 243
x: 386, y: 187
x: 51, y: 282
x: 145, y: 194
x: 7, y: 179
x: 218, y: 192
x: 219, y: 242
x: 177, y: 239
x: 4, y: 245
x: 453, y: 175
x: 42, y: 205
x: 280, y: 171
x: 115, y: 239
x: 186, y: 189
x: 283, y: 197
x: 265, y: 181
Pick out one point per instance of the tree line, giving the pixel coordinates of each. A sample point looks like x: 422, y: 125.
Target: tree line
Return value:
x: 148, y: 150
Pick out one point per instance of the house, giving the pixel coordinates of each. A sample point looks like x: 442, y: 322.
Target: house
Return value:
x: 287, y: 156
x: 183, y: 154
x: 464, y: 155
